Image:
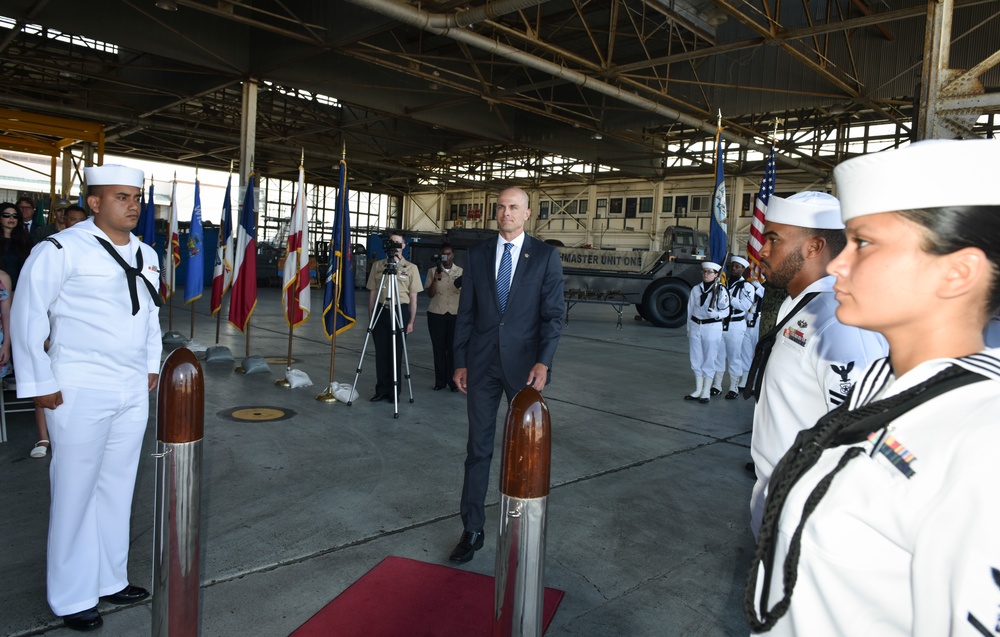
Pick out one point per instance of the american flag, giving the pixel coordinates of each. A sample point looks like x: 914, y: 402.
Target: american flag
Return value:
x: 756, y: 240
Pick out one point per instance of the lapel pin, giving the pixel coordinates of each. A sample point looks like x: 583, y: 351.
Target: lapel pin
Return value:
x: 526, y: 255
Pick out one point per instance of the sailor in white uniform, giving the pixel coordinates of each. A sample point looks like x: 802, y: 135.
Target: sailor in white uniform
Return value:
x: 97, y: 284
x: 886, y: 510
x: 741, y: 299
x: 708, y: 305
x: 808, y: 363
x: 752, y: 332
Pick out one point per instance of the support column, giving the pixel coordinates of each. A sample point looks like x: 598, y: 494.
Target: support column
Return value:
x: 937, y: 48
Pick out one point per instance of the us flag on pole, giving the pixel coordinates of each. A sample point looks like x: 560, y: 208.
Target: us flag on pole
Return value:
x: 756, y: 240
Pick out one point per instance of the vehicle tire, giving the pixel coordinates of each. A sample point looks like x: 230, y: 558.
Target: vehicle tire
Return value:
x: 638, y: 310
x: 664, y: 303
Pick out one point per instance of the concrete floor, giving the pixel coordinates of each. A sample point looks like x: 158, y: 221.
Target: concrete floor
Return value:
x: 647, y: 515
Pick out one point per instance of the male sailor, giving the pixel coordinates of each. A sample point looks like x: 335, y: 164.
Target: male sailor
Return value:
x: 741, y: 299
x: 92, y: 290
x: 708, y: 305
x: 808, y: 362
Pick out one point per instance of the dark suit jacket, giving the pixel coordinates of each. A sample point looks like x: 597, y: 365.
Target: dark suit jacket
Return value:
x: 529, y: 329
x: 38, y: 228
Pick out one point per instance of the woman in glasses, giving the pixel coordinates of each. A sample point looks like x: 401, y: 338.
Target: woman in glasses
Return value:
x: 883, y: 519
x: 15, y: 245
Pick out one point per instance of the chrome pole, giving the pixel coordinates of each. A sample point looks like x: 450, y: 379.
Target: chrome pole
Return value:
x: 180, y: 428
x: 524, y: 490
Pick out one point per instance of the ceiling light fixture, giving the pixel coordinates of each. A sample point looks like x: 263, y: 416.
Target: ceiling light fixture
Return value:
x: 166, y: 5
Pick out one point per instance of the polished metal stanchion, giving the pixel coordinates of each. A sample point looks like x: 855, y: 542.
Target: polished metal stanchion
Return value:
x: 180, y: 427
x: 524, y: 489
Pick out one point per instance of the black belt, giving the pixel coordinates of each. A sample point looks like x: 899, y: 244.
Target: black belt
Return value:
x: 704, y: 321
x: 736, y: 317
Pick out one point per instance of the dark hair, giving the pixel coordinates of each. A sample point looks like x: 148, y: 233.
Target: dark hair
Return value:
x: 19, y: 242
x: 836, y: 240
x: 446, y: 245
x: 951, y: 228
x: 77, y: 208
x: 27, y: 199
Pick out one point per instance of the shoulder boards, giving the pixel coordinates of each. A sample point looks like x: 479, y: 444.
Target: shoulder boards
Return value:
x: 53, y: 240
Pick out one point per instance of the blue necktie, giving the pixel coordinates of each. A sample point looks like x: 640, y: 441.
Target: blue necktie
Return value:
x: 503, y: 276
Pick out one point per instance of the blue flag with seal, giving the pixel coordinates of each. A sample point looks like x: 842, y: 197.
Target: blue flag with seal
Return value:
x: 718, y: 239
x: 338, y: 298
x: 195, y: 282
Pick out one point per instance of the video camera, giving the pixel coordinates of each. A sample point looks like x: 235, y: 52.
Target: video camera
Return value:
x: 391, y: 248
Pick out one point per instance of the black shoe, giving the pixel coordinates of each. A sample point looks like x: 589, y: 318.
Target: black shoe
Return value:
x: 467, y: 547
x: 703, y: 400
x: 127, y: 595
x: 377, y: 397
x: 715, y: 392
x: 749, y: 467
x: 732, y: 395
x: 453, y: 386
x: 440, y: 386
x: 84, y: 621
x: 690, y: 397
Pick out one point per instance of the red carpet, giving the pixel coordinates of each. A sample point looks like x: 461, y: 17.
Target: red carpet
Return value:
x: 407, y: 598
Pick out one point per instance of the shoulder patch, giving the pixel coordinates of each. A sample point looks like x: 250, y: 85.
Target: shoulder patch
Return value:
x: 53, y: 240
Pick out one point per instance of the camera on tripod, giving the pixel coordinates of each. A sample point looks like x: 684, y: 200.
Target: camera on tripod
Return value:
x: 390, y: 247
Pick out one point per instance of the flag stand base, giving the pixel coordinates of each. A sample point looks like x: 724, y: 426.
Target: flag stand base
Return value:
x: 174, y: 338
x: 283, y: 382
x: 327, y: 396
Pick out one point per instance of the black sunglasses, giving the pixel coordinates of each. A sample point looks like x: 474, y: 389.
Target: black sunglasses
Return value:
x: 9, y: 215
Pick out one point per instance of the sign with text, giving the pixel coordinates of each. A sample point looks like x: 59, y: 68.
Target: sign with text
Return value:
x: 608, y: 260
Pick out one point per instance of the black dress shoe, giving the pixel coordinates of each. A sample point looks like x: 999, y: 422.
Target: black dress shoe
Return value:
x: 467, y: 547
x: 454, y: 388
x: 715, y: 392
x: 127, y: 595
x: 703, y: 400
x: 377, y: 397
x: 751, y: 468
x: 84, y: 620
x: 690, y: 397
x: 440, y: 386
x: 731, y: 395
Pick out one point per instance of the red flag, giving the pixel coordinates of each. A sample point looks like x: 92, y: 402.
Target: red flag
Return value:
x: 243, y: 299
x: 295, y: 287
x: 172, y: 257
x: 222, y: 276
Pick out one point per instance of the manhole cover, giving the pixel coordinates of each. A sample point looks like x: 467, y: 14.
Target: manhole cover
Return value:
x: 256, y: 414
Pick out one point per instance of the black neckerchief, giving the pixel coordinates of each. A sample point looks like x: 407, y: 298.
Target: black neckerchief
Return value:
x: 840, y: 427
x: 131, y: 274
x: 755, y: 377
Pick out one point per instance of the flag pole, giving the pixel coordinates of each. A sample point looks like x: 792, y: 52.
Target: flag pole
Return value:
x: 327, y: 396
x: 284, y: 382
x: 218, y: 317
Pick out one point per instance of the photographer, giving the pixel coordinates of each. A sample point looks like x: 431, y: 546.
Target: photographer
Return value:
x: 443, y: 283
x: 408, y: 281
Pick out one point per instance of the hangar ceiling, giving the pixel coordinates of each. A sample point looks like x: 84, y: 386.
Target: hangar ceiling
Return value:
x: 437, y: 92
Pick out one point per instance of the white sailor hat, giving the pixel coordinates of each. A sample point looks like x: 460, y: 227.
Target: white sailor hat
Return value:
x: 708, y: 265
x: 928, y: 174
x: 113, y: 175
x: 738, y: 259
x: 807, y: 209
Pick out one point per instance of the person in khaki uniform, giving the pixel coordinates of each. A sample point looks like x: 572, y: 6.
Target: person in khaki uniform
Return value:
x: 442, y: 284
x: 409, y: 284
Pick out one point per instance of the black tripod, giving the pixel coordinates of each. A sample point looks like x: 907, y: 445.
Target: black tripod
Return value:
x: 392, y: 302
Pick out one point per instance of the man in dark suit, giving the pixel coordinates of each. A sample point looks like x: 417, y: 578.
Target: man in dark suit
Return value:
x: 32, y: 221
x: 509, y: 321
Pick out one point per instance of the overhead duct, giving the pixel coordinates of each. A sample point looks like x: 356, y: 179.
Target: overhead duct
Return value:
x: 446, y: 25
